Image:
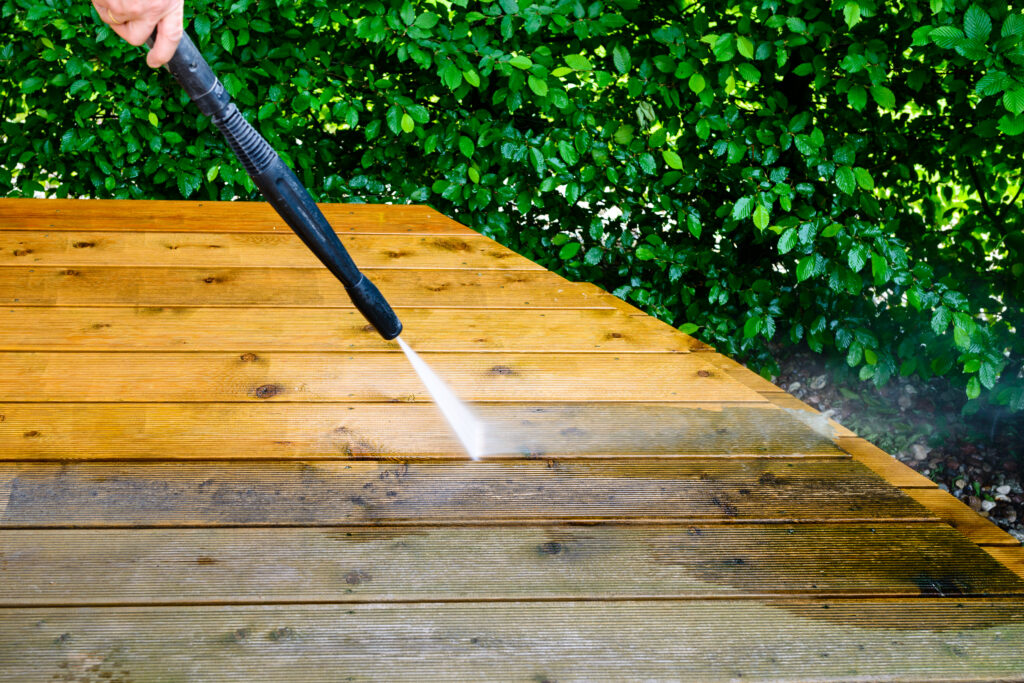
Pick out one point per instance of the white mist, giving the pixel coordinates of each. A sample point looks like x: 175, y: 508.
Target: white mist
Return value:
x: 464, y: 423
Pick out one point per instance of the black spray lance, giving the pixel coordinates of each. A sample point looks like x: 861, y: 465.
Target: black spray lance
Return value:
x: 278, y: 184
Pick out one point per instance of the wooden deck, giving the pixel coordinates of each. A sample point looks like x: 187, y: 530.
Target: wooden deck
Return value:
x: 211, y: 469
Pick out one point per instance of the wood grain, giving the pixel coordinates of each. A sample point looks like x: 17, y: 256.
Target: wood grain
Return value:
x: 219, y: 250
x: 312, y: 493
x: 316, y: 330
x: 362, y: 377
x: 158, y: 286
x: 179, y: 216
x: 386, y: 564
x: 1011, y: 557
x: 863, y: 640
x: 961, y: 517
x: 263, y: 429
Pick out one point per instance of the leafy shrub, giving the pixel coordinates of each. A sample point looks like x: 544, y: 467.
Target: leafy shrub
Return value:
x: 842, y: 174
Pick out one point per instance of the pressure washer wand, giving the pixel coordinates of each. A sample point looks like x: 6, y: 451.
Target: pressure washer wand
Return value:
x: 278, y: 184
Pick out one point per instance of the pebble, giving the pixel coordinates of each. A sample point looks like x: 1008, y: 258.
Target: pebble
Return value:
x: 819, y: 382
x: 904, y: 402
x: 987, y: 505
x: 919, y: 451
x: 1004, y: 489
x: 959, y: 483
x: 793, y: 387
x: 974, y: 502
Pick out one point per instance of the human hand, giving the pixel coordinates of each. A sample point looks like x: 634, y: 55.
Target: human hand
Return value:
x: 134, y: 20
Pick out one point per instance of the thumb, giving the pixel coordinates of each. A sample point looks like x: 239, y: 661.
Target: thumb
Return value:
x: 168, y: 35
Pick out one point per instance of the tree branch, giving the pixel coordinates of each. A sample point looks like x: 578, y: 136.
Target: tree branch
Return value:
x: 981, y: 192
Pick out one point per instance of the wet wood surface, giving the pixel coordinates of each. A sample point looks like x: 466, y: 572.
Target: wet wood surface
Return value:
x: 211, y: 468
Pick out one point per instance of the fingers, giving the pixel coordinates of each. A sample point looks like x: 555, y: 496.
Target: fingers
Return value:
x: 168, y: 35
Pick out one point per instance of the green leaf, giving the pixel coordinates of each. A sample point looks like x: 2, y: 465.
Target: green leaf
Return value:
x: 857, y: 257
x: 973, y: 388
x: 644, y: 253
x: 805, y: 268
x: 696, y: 83
x: 427, y: 20
x: 201, y: 25
x: 569, y: 250
x: 227, y: 41
x: 857, y: 96
x: 788, y: 240
x: 977, y: 24
x: 1013, y: 100
x: 578, y: 62
x: 988, y: 374
x: 724, y: 48
x: 761, y: 217
x: 407, y: 123
x: 851, y: 14
x: 32, y: 84
x: 703, y: 129
x: 752, y: 327
x: 745, y: 47
x: 521, y: 62
x: 1011, y: 125
x: 688, y: 328
x: 211, y: 173
x: 466, y: 146
x: 509, y: 6
x: 647, y: 164
x: 743, y: 208
x: 593, y: 256
x: 845, y: 179
x: 749, y: 72
x: 538, y: 85
x: 1013, y: 26
x: 946, y: 36
x: 472, y: 77
x: 624, y: 134
x: 883, y: 97
x: 620, y: 56
x: 864, y: 178
x: 153, y: 119
x: 941, y: 319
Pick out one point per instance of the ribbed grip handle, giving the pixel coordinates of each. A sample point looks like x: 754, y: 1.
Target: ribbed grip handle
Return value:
x: 252, y: 150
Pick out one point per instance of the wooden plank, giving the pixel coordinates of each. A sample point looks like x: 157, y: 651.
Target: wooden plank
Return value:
x: 886, y: 466
x: 801, y: 410
x: 260, y: 330
x: 21, y: 248
x: 1011, y: 557
x: 363, y: 377
x: 180, y: 216
x: 317, y: 493
x: 384, y: 564
x: 961, y: 517
x: 398, y: 430
x: 157, y: 286
x: 707, y: 640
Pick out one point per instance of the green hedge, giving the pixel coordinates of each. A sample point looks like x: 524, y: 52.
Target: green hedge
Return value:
x: 845, y: 174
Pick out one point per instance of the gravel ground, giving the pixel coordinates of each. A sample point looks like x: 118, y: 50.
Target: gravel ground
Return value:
x: 979, y: 459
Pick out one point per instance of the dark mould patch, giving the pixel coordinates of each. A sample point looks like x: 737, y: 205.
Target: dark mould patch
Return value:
x: 703, y: 373
x: 70, y: 272
x: 32, y: 434
x: 356, y: 577
x: 501, y: 370
x: 205, y: 560
x: 550, y: 548
x: 22, y: 252
x: 614, y: 335
x: 248, y: 358
x: 212, y: 280
x: 283, y: 633
x: 83, y: 245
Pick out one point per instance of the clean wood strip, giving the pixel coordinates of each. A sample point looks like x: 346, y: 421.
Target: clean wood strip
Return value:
x: 803, y: 411
x: 373, y: 377
x: 181, y: 216
x: 397, y: 430
x: 344, y: 564
x: 100, y: 285
x: 961, y: 517
x: 319, y: 493
x: 258, y: 330
x: 220, y: 250
x: 1011, y: 557
x: 864, y: 640
x: 886, y: 466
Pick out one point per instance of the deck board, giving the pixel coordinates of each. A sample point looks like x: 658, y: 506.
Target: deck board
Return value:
x: 293, y: 493
x: 212, y: 468
x: 316, y: 330
x: 404, y: 564
x: 205, y: 249
x: 696, y: 640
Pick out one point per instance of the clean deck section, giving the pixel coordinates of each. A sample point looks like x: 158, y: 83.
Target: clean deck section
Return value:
x: 212, y: 469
